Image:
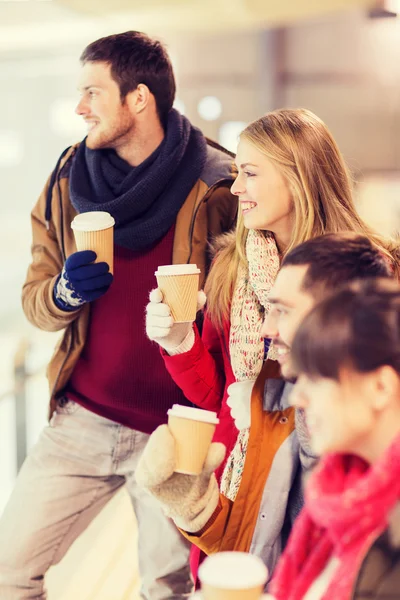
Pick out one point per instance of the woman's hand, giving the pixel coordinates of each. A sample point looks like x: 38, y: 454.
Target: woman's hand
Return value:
x: 239, y: 401
x: 175, y: 338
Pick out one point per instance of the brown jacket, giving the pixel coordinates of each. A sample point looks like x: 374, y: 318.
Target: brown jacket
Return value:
x: 209, y: 210
x: 259, y: 520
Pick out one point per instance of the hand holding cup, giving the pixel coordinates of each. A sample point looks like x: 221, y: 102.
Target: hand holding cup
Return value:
x: 189, y: 500
x: 161, y: 327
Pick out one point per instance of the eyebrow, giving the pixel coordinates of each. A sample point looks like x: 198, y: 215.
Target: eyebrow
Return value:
x: 247, y: 164
x: 85, y: 88
x: 275, y: 301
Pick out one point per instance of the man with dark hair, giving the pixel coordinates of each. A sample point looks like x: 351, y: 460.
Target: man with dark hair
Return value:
x: 167, y: 189
x: 135, y: 59
x: 308, y: 274
x: 270, y: 493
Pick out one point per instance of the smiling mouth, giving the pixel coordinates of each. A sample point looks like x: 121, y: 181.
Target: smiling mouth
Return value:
x: 91, y: 125
x: 247, y: 206
x: 282, y: 352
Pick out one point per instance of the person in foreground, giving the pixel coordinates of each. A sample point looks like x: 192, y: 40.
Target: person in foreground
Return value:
x: 270, y: 495
x: 168, y: 190
x: 346, y: 542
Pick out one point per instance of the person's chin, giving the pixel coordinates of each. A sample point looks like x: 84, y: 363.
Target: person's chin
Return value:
x: 286, y: 370
x: 250, y: 221
x: 320, y: 446
x: 94, y: 141
x: 320, y: 442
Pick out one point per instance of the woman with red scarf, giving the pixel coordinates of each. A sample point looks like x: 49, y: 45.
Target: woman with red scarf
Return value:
x: 346, y: 542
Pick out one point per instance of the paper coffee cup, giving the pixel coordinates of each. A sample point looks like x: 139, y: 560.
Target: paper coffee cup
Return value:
x: 95, y: 231
x: 179, y: 285
x: 232, y: 576
x: 193, y: 430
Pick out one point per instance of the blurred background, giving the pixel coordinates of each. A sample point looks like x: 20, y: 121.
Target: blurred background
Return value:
x: 234, y: 61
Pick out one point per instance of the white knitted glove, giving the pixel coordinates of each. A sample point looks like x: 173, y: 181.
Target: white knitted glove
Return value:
x: 239, y: 401
x: 189, y: 500
x: 175, y: 338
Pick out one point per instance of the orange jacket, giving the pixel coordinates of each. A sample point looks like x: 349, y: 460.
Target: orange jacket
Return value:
x: 233, y: 524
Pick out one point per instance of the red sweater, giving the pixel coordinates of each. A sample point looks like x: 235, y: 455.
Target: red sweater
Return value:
x: 204, y: 375
x: 120, y: 374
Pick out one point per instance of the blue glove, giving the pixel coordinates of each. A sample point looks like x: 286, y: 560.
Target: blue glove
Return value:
x: 81, y: 280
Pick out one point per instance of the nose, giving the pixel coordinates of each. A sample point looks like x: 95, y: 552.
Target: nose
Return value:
x: 238, y: 186
x: 81, y: 107
x: 269, y: 328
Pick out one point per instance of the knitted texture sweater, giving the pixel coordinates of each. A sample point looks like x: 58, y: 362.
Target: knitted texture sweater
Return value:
x: 120, y: 374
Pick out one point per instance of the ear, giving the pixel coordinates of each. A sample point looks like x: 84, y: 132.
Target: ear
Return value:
x: 384, y: 387
x: 139, y: 98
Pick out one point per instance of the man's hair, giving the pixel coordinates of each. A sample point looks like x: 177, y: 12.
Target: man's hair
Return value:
x: 135, y: 58
x: 335, y: 259
x: 356, y: 328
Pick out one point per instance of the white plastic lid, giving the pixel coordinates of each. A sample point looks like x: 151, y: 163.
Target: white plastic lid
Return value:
x: 177, y: 270
x: 233, y: 571
x: 196, y: 414
x: 93, y: 221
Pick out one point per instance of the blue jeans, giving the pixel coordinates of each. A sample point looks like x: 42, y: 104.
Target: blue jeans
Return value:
x: 77, y: 465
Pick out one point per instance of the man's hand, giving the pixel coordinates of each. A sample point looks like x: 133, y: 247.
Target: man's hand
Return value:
x: 189, y: 500
x: 81, y: 280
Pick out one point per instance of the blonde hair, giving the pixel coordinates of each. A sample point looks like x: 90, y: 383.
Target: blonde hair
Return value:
x: 303, y: 149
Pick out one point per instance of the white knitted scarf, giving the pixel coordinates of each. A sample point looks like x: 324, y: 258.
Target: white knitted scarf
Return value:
x: 246, y: 346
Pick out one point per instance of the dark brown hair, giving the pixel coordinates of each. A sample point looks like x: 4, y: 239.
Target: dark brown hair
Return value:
x: 336, y: 258
x: 358, y: 327
x: 136, y: 58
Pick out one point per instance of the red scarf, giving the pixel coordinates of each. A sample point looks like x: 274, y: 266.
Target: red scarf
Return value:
x: 347, y: 506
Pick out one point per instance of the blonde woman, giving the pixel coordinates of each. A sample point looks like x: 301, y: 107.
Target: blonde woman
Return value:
x: 292, y: 185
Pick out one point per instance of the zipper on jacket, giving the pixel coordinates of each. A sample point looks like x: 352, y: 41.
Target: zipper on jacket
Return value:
x: 61, y: 217
x: 55, y: 183
x: 49, y: 195
x: 63, y: 253
x: 196, y: 212
x: 58, y: 177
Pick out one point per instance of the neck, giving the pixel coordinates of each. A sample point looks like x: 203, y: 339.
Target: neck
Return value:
x: 384, y: 434
x: 147, y: 137
x: 283, y: 233
x: 282, y: 242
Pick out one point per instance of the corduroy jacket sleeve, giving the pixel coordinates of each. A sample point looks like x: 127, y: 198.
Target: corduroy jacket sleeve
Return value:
x: 47, y: 263
x: 200, y: 371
